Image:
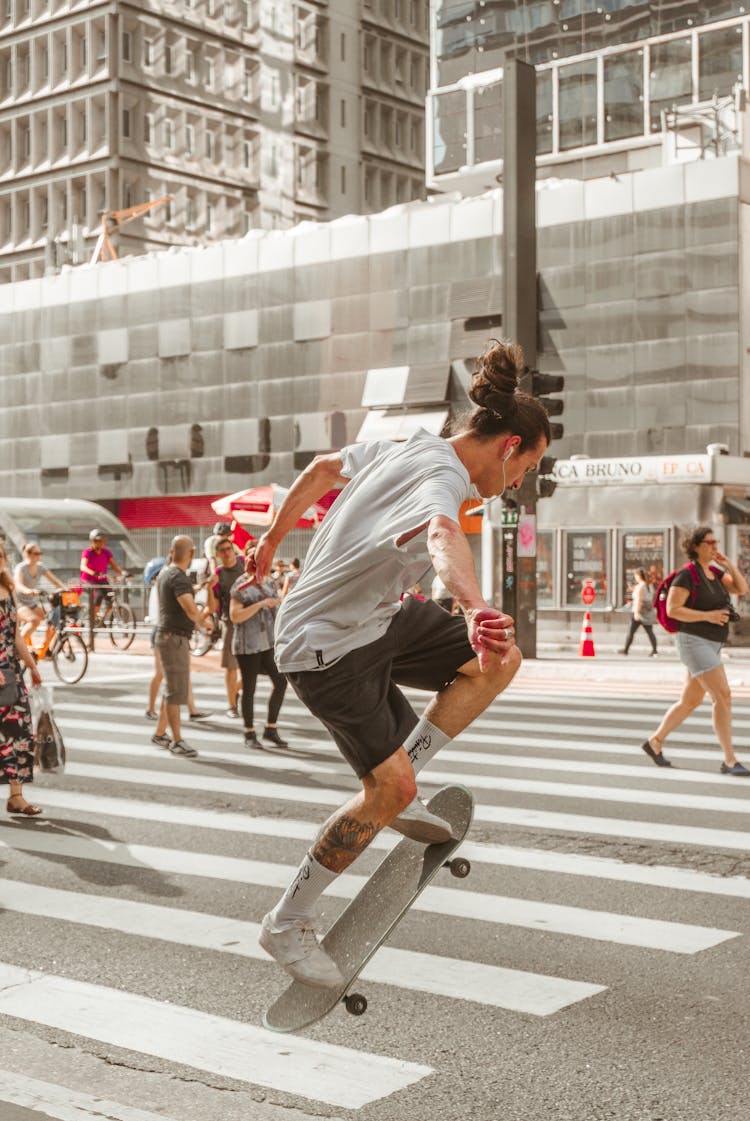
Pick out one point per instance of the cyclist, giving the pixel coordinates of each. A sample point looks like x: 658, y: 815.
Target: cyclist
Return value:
x: 95, y: 564
x: 27, y: 575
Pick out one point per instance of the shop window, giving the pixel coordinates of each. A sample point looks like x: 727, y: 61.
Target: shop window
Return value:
x: 644, y: 549
x: 586, y: 558
x: 545, y: 568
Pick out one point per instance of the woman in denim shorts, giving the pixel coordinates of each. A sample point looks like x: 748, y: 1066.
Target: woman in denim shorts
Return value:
x: 703, y: 611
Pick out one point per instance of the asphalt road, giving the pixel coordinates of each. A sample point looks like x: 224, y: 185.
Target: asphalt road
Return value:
x: 593, y: 966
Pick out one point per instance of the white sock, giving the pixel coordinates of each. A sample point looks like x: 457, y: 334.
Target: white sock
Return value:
x: 298, y: 901
x: 423, y: 743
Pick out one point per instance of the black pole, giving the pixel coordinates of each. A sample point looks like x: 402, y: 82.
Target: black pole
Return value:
x: 520, y: 323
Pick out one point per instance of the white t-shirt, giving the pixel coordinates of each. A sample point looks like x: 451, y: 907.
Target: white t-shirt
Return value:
x: 355, y: 572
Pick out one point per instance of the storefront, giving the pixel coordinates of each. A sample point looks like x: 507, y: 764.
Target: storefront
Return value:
x: 609, y: 517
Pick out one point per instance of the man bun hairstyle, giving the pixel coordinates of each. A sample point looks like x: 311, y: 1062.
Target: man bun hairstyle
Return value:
x: 501, y: 405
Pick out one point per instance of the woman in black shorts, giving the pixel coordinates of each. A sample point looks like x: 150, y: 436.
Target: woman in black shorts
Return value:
x: 703, y: 611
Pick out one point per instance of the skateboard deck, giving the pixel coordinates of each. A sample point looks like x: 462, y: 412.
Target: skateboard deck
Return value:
x: 372, y: 915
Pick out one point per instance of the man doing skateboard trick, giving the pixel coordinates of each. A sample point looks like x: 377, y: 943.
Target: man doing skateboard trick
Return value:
x: 346, y: 640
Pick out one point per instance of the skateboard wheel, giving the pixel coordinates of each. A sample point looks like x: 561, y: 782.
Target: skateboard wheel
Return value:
x: 460, y: 867
x: 355, y: 1003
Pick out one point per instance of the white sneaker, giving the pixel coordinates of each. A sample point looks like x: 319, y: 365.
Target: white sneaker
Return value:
x: 297, y: 951
x: 417, y: 823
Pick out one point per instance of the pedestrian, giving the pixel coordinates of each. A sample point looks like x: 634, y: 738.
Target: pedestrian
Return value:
x: 347, y: 641
x: 96, y: 562
x: 16, y: 731
x: 699, y: 600
x: 252, y: 609
x: 178, y: 615
x: 229, y: 570
x: 150, y: 574
x: 291, y: 578
x: 643, y: 611
x: 27, y: 576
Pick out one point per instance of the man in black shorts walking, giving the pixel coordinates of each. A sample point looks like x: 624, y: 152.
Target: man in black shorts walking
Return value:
x: 346, y: 640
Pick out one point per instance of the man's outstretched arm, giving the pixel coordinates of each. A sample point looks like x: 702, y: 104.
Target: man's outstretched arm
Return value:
x: 320, y: 476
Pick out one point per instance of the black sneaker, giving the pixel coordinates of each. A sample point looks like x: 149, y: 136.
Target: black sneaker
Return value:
x: 735, y: 769
x: 251, y: 740
x: 656, y: 756
x: 272, y: 735
x: 200, y: 715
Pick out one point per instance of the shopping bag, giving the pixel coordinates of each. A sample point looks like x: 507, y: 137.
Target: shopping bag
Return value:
x: 49, y: 751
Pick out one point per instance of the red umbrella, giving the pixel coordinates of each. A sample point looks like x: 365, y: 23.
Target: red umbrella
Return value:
x: 258, y: 505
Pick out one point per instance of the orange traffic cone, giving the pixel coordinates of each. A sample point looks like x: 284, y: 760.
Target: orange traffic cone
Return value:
x: 586, y: 648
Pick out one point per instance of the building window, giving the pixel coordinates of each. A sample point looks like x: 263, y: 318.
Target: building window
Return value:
x: 167, y: 58
x: 44, y: 63
x: 148, y: 52
x: 8, y: 77
x: 343, y: 180
x: 26, y: 141
x: 671, y: 77
x: 720, y: 62
x: 126, y: 123
x: 190, y: 211
x: 148, y: 127
x: 210, y: 73
x: 343, y: 113
x: 190, y: 65
x: 247, y: 154
x: 190, y: 139
x: 623, y: 95
x: 213, y: 7
x: 169, y: 134
x: 210, y: 146
x: 248, y: 74
x: 127, y: 46
x: 248, y: 12
x: 209, y: 217
x: 577, y: 85
x: 342, y: 47
x: 45, y: 212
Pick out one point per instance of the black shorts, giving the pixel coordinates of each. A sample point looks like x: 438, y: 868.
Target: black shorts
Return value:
x: 358, y: 699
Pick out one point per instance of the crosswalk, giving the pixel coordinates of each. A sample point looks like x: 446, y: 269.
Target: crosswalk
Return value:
x: 154, y: 858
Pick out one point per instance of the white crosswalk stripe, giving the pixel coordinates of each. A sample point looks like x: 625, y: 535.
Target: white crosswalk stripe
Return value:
x: 526, y: 759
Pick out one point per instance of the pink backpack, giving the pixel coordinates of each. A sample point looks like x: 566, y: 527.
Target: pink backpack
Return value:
x: 662, y: 590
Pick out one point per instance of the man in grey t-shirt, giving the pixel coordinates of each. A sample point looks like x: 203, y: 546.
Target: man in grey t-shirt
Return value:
x: 347, y: 640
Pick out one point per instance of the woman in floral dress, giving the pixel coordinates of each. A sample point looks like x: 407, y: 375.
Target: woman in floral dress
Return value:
x: 16, y: 734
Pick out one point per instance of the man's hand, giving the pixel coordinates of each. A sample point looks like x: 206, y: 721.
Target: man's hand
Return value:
x: 260, y: 559
x: 491, y: 633
x: 36, y: 677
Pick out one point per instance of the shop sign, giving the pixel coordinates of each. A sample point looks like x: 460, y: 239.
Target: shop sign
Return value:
x: 638, y: 470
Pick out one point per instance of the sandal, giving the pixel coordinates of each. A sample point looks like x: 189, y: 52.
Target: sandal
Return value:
x: 27, y: 810
x: 179, y: 747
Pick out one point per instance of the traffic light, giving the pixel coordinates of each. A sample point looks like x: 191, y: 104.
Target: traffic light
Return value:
x: 541, y: 386
x: 545, y: 483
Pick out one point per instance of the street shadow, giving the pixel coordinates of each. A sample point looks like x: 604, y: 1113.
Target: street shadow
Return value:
x: 258, y: 770
x: 104, y: 871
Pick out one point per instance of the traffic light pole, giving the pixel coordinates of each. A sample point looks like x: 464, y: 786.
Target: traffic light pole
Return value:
x: 520, y: 323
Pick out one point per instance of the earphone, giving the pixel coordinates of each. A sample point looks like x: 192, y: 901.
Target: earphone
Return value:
x: 507, y: 455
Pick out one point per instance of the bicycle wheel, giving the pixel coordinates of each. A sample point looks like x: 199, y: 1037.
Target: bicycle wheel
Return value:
x: 121, y: 626
x: 70, y: 657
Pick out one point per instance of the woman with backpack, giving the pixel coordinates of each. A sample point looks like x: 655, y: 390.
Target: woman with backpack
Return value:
x: 644, y: 613
x: 698, y: 599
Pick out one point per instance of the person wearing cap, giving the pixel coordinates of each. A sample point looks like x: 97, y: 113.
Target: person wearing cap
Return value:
x: 95, y: 564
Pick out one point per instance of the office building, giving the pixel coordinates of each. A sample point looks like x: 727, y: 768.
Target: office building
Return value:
x: 240, y: 113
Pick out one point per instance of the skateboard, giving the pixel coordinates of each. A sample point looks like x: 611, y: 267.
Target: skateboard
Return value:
x: 369, y: 919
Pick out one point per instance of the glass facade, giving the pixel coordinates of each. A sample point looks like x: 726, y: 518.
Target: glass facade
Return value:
x: 606, y: 73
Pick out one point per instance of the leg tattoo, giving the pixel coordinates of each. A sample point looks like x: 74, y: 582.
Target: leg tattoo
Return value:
x: 341, y: 840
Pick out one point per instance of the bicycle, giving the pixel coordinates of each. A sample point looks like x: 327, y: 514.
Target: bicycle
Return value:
x: 117, y: 617
x: 63, y: 643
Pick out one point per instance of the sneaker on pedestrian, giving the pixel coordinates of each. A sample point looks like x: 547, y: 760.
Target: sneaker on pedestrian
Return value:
x: 151, y: 715
x: 251, y: 740
x: 161, y: 741
x: 272, y: 735
x: 199, y: 715
x: 296, y: 949
x: 232, y: 713
x: 417, y: 823
x: 734, y: 769
x: 179, y: 747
